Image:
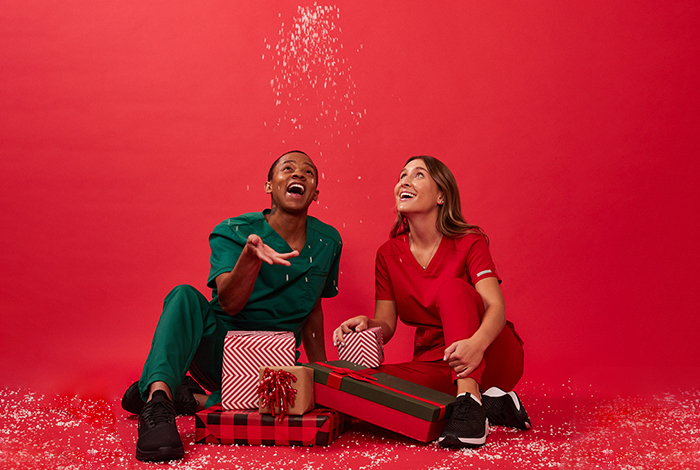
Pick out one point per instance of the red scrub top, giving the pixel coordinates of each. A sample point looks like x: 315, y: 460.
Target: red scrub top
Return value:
x: 399, y: 277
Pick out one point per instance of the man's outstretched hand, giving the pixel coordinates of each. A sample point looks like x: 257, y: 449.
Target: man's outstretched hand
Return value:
x: 264, y: 253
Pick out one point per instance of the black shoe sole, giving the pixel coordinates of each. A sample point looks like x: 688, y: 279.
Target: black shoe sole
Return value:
x: 161, y: 455
x: 453, y: 442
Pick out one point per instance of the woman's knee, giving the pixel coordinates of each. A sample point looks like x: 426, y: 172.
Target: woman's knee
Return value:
x: 457, y: 288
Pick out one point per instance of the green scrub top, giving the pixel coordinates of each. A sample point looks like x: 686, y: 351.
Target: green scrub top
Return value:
x: 283, y: 296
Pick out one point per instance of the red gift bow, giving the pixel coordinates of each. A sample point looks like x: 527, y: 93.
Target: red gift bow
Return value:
x: 337, y: 374
x: 275, y: 390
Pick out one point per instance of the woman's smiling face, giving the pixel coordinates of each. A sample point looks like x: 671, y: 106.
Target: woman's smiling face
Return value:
x: 416, y: 191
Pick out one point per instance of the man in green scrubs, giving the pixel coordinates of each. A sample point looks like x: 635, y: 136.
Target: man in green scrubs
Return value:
x: 269, y: 271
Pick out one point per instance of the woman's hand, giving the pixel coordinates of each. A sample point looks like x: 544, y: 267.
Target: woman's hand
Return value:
x: 464, y: 356
x: 359, y: 323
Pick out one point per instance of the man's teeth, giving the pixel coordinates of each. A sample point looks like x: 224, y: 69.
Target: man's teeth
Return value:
x: 296, y: 188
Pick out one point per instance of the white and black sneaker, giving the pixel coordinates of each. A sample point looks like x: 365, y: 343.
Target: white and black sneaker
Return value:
x: 505, y: 409
x: 467, y: 425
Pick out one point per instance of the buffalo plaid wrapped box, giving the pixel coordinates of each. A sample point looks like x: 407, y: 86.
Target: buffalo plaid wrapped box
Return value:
x: 319, y: 427
x: 244, y: 353
x: 381, y: 399
x: 365, y: 348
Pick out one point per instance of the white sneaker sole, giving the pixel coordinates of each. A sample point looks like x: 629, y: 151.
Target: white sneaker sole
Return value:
x: 467, y: 441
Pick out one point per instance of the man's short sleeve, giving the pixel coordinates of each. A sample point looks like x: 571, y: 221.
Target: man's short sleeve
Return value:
x: 226, y: 247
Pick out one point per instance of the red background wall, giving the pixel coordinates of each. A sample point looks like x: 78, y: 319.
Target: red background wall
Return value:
x: 130, y: 129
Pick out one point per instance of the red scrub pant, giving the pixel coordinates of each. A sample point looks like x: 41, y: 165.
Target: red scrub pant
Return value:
x: 461, y: 309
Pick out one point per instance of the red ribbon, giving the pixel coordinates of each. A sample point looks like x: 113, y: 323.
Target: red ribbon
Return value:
x: 275, y: 390
x: 338, y: 373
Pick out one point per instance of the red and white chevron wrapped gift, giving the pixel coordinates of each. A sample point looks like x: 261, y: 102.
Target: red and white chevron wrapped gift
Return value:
x: 244, y: 353
x: 365, y: 348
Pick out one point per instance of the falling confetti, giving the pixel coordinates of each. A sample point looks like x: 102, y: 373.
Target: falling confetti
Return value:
x: 312, y: 82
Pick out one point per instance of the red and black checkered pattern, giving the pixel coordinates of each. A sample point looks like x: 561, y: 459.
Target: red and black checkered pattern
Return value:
x: 248, y: 427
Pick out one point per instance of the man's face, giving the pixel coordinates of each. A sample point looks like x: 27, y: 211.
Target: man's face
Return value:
x: 293, y: 183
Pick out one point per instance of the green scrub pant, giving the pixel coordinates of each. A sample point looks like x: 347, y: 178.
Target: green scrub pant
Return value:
x: 189, y: 336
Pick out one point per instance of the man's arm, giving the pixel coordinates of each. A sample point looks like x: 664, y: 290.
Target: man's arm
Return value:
x: 234, y: 288
x: 312, y: 335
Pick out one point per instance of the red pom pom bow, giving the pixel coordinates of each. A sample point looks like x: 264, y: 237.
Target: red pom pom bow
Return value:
x: 275, y: 390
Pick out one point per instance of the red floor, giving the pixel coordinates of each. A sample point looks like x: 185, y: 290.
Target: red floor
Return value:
x: 571, y: 430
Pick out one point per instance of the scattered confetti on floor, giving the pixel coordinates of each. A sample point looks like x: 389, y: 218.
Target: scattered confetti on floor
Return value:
x: 572, y: 429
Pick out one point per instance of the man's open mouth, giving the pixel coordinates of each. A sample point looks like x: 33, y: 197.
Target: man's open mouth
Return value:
x: 296, y: 188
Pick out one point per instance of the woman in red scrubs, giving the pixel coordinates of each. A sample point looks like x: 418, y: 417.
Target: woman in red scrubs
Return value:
x: 436, y: 274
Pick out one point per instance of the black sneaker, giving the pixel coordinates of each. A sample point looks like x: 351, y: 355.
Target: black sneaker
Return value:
x: 185, y: 403
x: 505, y: 409
x: 158, y: 437
x: 467, y: 426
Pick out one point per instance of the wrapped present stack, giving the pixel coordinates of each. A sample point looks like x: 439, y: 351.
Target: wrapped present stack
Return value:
x: 273, y: 407
x: 365, y: 348
x: 281, y: 403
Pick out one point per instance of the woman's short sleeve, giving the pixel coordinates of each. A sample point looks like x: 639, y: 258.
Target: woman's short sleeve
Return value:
x: 383, y: 289
x: 480, y: 265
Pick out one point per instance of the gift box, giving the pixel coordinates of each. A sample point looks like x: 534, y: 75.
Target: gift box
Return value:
x: 378, y: 398
x: 303, y: 400
x: 365, y: 348
x: 319, y: 427
x: 244, y: 353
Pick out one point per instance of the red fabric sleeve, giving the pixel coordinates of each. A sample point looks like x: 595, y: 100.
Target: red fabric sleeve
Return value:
x: 480, y: 265
x: 383, y: 289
